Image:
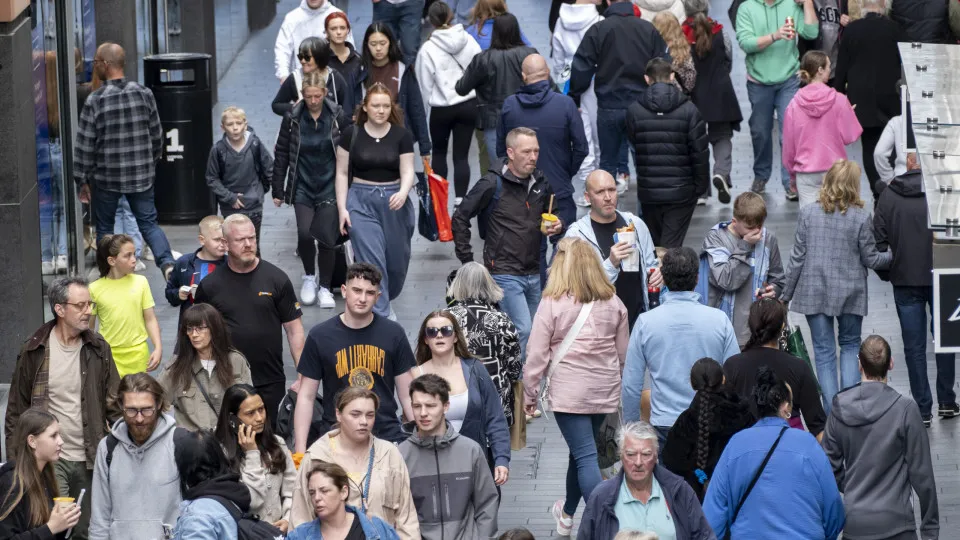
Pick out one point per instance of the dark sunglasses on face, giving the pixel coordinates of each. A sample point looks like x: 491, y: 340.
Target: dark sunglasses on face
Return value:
x: 445, y: 331
x: 304, y: 57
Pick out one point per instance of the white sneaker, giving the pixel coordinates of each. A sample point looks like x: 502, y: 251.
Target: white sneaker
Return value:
x: 326, y: 299
x: 702, y: 201
x: 147, y: 253
x: 140, y: 267
x: 47, y: 267
x: 308, y: 291
x: 564, y: 524
x: 61, y: 263
x: 623, y: 183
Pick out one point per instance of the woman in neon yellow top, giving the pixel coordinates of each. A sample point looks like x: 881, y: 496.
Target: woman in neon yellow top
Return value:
x: 124, y: 306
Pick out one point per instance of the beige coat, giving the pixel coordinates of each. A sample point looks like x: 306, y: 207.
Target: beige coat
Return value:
x: 389, y: 498
x: 271, y: 495
x: 190, y: 408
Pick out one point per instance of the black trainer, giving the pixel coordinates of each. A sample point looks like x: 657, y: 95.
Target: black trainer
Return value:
x: 927, y: 419
x: 723, y: 190
x: 948, y: 410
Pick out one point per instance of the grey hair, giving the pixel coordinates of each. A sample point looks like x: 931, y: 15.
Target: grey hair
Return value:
x: 474, y: 282
x: 59, y: 290
x: 692, y: 7
x: 877, y: 6
x: 639, y: 430
x: 234, y: 219
x: 636, y: 535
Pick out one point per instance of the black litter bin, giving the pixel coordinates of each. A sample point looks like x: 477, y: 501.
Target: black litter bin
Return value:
x: 181, y: 84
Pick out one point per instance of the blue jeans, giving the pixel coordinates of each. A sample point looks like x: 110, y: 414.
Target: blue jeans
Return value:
x: 583, y: 470
x: 825, y: 353
x: 105, y: 204
x: 612, y: 136
x: 127, y: 224
x: 521, y: 296
x: 566, y: 210
x: 912, y: 303
x: 764, y: 100
x: 490, y: 139
x: 404, y: 20
x: 461, y: 11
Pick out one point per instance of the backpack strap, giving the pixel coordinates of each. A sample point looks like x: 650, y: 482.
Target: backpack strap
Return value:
x: 112, y: 442
x: 229, y: 505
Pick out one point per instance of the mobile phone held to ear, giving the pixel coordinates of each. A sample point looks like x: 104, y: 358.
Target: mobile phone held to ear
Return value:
x: 234, y: 422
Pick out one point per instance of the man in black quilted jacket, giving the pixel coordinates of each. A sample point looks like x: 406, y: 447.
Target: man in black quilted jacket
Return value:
x: 672, y: 159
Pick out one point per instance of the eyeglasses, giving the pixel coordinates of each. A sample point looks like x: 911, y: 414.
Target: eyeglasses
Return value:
x: 147, y: 412
x: 304, y: 57
x: 192, y: 330
x: 445, y: 331
x: 82, y: 306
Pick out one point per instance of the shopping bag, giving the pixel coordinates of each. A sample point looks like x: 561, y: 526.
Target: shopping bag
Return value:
x: 518, y: 431
x: 426, y: 222
x: 608, y: 455
x: 439, y: 188
x: 797, y: 347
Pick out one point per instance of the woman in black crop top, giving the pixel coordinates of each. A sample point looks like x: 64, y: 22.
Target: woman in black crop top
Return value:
x: 374, y: 178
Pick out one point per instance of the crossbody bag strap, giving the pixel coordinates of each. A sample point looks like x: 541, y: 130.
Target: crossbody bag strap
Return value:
x: 756, y: 477
x: 206, y: 396
x: 568, y: 340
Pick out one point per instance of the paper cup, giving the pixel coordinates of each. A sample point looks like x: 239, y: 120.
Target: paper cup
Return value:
x: 631, y: 263
x: 547, y: 220
x: 63, y: 501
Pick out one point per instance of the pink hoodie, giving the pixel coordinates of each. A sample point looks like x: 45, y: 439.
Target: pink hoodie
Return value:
x: 818, y: 125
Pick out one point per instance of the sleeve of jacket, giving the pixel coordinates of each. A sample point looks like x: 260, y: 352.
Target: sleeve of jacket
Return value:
x: 886, y: 146
x: 214, y: 177
x: 497, y: 431
x: 253, y: 475
x: 417, y: 113
x: 283, y: 51
x: 584, y: 64
x: 776, y: 276
x: 733, y: 273
x: 101, y: 507
x: 797, y: 257
x: 699, y: 150
x: 699, y: 526
x: 850, y: 129
x: 301, y: 509
x: 266, y: 165
x: 16, y: 525
x: 631, y: 121
x: 486, y: 500
x: 832, y: 513
x: 510, y: 341
x: 730, y: 345
x: 834, y: 451
x: 789, y: 150
x: 172, y: 289
x: 631, y: 387
x: 281, y: 159
x: 156, y: 129
x: 286, y: 96
x: 538, y: 350
x: 288, y: 482
x: 869, y: 256
x: 718, y: 503
x: 588, y: 521
x: 19, y: 398
x: 579, y: 146
x: 746, y: 35
x: 678, y: 448
x: 408, y: 526
x: 505, y: 112
x: 198, y: 526
x: 470, y: 207
x: 881, y: 236
x: 843, y: 64
x: 86, y: 141
x: 474, y: 76
x: 111, y: 385
x: 920, y: 472
x: 425, y: 70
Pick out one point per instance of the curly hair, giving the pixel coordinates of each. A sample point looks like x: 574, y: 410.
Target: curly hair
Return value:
x: 666, y: 23
x: 841, y: 187
x: 706, y: 377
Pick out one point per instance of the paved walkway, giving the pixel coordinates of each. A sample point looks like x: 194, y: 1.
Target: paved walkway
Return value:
x: 537, y: 473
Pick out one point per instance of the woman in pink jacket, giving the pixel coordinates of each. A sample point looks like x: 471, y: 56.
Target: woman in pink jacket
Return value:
x: 579, y: 345
x: 818, y: 125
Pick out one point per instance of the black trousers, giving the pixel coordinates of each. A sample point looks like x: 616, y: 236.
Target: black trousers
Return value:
x: 272, y: 394
x: 668, y: 223
x: 309, y: 250
x: 869, y: 140
x: 459, y: 120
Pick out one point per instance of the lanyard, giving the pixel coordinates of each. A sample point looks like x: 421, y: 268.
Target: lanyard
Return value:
x: 366, y: 485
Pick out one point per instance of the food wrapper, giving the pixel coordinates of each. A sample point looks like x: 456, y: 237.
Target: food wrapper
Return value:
x: 629, y: 235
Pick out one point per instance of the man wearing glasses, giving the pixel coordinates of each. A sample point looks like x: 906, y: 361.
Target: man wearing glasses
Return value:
x: 66, y: 368
x: 136, y: 485
x: 191, y: 268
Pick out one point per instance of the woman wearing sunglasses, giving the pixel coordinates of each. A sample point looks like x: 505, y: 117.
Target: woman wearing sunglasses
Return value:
x: 314, y: 56
x: 206, y: 365
x: 475, y: 410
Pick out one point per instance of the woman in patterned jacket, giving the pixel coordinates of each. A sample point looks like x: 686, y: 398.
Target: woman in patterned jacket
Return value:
x: 491, y: 335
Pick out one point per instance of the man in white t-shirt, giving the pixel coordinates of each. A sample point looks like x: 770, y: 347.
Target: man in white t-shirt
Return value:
x: 307, y: 20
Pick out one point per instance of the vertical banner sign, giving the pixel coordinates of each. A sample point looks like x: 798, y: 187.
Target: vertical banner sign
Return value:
x: 946, y: 310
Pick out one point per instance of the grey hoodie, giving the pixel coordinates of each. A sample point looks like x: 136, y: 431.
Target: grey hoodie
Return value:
x: 141, y: 491
x: 452, y: 487
x: 879, y: 450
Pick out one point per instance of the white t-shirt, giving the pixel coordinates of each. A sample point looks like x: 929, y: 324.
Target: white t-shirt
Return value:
x: 65, y: 389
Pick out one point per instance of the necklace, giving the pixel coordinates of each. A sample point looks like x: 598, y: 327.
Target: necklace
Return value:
x: 375, y: 137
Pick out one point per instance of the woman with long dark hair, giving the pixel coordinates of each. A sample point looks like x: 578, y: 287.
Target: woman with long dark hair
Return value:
x: 768, y: 319
x: 701, y: 432
x: 314, y: 56
x: 261, y: 458
x: 28, y: 483
x: 383, y: 63
x: 205, y: 365
x: 495, y: 74
x: 475, y: 410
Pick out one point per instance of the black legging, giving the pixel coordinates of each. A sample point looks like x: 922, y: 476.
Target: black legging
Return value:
x: 308, y: 248
x: 461, y: 119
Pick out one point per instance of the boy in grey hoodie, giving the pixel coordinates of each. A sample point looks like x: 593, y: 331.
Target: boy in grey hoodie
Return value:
x: 450, y: 479
x: 880, y: 453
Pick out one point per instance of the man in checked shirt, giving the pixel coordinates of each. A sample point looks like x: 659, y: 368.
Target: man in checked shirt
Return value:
x: 119, y: 140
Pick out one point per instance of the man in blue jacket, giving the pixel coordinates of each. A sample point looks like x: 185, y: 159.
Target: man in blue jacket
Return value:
x: 563, y: 142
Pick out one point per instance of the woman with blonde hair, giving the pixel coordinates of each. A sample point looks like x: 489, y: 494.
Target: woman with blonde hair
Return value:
x: 579, y: 345
x: 827, y: 275
x: 679, y: 49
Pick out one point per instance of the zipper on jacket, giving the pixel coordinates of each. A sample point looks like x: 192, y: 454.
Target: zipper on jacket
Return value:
x: 436, y: 456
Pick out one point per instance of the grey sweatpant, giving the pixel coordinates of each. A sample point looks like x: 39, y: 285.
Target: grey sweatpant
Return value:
x: 381, y: 236
x: 720, y: 136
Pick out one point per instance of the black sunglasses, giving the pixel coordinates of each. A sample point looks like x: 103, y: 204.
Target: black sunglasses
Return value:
x: 304, y: 57
x: 445, y: 331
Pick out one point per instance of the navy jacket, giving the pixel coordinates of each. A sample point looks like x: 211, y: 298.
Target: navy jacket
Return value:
x: 600, y: 523
x: 182, y: 273
x: 484, y: 422
x: 555, y: 118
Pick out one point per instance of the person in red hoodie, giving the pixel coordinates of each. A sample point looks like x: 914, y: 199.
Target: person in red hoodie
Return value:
x: 818, y: 125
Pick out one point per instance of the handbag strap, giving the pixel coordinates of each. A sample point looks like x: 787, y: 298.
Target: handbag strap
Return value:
x: 568, y: 340
x: 756, y: 477
x: 206, y: 396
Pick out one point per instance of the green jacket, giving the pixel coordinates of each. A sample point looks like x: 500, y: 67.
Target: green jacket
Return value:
x: 779, y: 61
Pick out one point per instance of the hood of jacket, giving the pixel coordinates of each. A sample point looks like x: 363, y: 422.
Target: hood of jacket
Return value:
x: 450, y: 40
x: 577, y: 17
x: 909, y: 184
x: 816, y: 99
x: 864, y: 404
x: 227, y: 486
x: 534, y: 95
x: 649, y: 8
x: 165, y: 424
x: 443, y: 441
x: 311, y: 12
x: 662, y: 98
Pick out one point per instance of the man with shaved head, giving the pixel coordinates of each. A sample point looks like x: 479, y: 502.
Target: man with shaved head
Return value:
x: 563, y: 143
x: 119, y: 141
x: 598, y: 228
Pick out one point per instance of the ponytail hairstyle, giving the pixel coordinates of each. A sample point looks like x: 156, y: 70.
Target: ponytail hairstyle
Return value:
x: 811, y: 63
x: 29, y: 481
x: 110, y: 246
x: 706, y: 377
x: 770, y: 393
x: 703, y: 34
x: 766, y: 321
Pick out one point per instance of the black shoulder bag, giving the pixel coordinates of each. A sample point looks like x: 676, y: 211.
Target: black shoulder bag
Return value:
x: 325, y: 225
x: 753, y: 482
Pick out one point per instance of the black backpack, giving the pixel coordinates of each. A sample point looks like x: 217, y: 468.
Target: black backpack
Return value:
x: 248, y: 526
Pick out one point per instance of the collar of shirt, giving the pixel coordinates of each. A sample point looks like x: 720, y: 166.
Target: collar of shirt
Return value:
x: 681, y: 296
x: 625, y: 497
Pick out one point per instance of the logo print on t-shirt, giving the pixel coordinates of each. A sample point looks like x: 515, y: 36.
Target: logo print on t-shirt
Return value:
x: 359, y: 363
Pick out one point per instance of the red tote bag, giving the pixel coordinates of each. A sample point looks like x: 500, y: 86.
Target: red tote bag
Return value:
x: 439, y: 187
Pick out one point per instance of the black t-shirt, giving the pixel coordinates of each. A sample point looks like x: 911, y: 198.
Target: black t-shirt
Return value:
x: 741, y: 371
x: 255, y: 306
x: 356, y: 531
x: 370, y: 357
x: 377, y: 161
x: 629, y: 285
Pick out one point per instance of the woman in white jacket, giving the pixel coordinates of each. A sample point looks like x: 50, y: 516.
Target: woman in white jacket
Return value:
x: 575, y: 20
x: 440, y: 64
